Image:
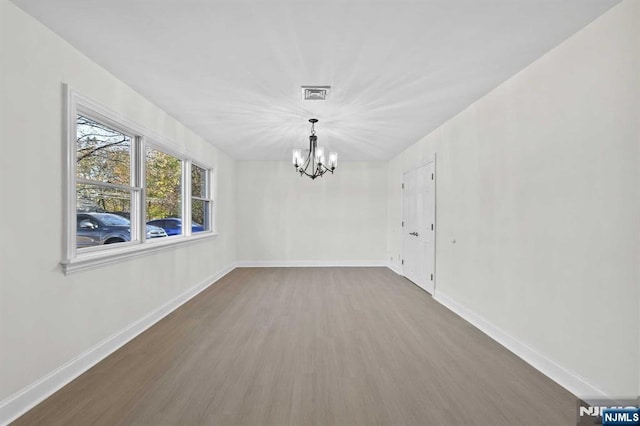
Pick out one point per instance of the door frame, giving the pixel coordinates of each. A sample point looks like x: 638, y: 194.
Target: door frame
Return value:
x: 430, y: 159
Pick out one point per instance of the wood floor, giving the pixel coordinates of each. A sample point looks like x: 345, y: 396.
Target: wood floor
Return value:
x: 310, y: 346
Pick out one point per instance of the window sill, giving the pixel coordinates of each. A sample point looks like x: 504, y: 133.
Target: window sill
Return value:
x: 90, y: 260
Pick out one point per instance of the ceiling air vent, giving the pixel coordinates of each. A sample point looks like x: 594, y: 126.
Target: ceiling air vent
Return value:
x: 315, y: 93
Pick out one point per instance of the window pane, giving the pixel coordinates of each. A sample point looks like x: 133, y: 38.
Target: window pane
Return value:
x: 198, y: 182
x: 200, y: 214
x: 102, y: 153
x: 95, y: 198
x: 164, y: 189
x: 200, y: 209
x: 96, y: 222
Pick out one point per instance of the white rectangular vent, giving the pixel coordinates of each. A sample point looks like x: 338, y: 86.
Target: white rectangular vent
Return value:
x: 315, y: 93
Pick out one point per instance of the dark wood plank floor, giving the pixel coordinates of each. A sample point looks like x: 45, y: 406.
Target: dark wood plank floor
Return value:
x: 310, y: 346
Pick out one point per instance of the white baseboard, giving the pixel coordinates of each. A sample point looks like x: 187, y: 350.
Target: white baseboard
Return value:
x: 308, y: 263
x: 568, y: 379
x: 22, y: 401
x: 394, y: 268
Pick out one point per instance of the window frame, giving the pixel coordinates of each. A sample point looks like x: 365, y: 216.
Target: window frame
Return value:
x: 136, y: 181
x: 167, y: 150
x: 141, y: 138
x: 211, y: 179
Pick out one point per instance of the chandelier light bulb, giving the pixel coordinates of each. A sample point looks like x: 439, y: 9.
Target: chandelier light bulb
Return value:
x: 320, y: 154
x: 297, y: 157
x: 333, y: 159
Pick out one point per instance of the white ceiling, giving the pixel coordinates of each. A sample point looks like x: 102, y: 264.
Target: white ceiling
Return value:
x: 232, y: 70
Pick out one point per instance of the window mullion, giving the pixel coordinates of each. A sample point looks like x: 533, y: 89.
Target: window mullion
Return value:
x: 141, y: 208
x: 186, y: 196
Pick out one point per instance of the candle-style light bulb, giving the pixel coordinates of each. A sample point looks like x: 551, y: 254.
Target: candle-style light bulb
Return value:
x: 296, y: 157
x: 320, y: 154
x: 333, y: 159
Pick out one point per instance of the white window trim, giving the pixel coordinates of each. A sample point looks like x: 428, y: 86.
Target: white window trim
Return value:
x: 73, y: 260
x: 212, y: 182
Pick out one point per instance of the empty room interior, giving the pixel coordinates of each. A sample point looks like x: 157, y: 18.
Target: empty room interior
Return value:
x: 319, y: 213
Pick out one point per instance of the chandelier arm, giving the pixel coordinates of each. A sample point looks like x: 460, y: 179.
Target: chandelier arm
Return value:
x: 305, y: 163
x: 317, y: 172
x: 304, y: 172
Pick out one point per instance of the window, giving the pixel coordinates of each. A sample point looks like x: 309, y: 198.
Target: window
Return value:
x: 128, y: 191
x: 201, y: 202
x: 163, y: 188
x: 104, y: 182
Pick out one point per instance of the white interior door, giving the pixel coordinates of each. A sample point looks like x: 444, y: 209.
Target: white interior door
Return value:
x: 409, y: 226
x: 418, y: 231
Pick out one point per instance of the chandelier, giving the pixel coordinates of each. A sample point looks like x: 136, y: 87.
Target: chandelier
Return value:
x: 314, y: 164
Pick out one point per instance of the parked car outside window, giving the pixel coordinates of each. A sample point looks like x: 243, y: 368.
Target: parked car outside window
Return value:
x: 105, y: 228
x: 173, y: 225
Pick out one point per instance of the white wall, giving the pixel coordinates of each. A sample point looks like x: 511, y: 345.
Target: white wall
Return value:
x: 537, y: 183
x: 47, y: 318
x: 338, y: 218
